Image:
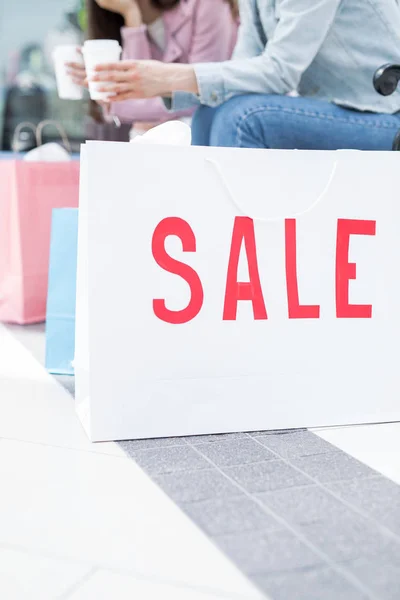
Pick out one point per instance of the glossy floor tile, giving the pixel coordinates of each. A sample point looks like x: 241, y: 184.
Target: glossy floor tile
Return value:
x: 299, y: 515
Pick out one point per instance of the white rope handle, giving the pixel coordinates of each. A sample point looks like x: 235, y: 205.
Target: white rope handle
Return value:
x: 60, y: 129
x: 17, y: 131
x: 238, y: 207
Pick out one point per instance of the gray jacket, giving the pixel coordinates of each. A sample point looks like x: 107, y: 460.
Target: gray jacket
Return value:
x: 325, y: 49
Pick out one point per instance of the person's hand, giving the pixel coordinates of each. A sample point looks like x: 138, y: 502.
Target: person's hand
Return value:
x: 77, y: 72
x: 129, y: 9
x: 135, y: 79
x: 131, y: 79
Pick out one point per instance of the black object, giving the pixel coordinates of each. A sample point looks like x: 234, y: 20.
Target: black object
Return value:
x: 396, y: 142
x: 23, y: 104
x: 386, y: 80
x: 107, y: 132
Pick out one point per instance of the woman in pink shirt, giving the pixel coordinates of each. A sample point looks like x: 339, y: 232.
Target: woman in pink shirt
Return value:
x: 173, y: 31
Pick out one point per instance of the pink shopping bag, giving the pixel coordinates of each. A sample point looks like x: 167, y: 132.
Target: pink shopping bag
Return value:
x: 28, y: 193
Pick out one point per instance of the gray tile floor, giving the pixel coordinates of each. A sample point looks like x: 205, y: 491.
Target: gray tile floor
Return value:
x: 301, y: 518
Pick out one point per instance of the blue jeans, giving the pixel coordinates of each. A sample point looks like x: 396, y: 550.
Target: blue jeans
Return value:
x: 285, y: 122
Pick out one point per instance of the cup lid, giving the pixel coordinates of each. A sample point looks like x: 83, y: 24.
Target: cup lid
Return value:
x: 94, y: 45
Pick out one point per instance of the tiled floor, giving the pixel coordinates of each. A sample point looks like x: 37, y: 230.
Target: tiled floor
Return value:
x: 288, y: 508
x: 298, y: 516
x: 377, y: 446
x: 76, y: 519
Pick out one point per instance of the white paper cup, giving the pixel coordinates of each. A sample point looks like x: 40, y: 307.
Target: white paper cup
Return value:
x: 67, y: 89
x: 99, y: 52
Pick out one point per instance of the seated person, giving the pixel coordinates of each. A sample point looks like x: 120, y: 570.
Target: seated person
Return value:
x: 326, y: 51
x: 171, y: 31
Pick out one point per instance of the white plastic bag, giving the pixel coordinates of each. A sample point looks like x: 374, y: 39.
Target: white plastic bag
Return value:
x: 171, y: 133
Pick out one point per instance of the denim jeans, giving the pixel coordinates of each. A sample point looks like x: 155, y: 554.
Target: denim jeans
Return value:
x: 287, y: 122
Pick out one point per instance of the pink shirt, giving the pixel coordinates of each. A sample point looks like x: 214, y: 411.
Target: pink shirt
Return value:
x: 196, y: 31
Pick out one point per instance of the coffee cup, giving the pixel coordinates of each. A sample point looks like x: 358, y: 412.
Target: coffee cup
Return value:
x: 99, y: 52
x: 66, y: 87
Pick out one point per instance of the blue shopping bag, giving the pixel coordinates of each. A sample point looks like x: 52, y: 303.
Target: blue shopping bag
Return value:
x: 60, y: 319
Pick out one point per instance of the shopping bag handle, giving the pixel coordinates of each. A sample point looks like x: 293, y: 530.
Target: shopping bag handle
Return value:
x: 38, y: 132
x: 217, y: 168
x: 17, y: 131
x: 60, y: 129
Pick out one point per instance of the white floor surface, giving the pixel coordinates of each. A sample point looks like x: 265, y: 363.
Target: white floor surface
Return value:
x: 80, y: 521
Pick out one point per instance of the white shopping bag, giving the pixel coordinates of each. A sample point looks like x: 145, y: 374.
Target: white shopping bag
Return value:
x: 225, y: 290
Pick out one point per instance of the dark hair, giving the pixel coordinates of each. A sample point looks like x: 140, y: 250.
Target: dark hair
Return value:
x: 234, y: 4
x: 105, y: 24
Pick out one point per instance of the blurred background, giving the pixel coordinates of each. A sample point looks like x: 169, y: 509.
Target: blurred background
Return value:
x: 27, y: 83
